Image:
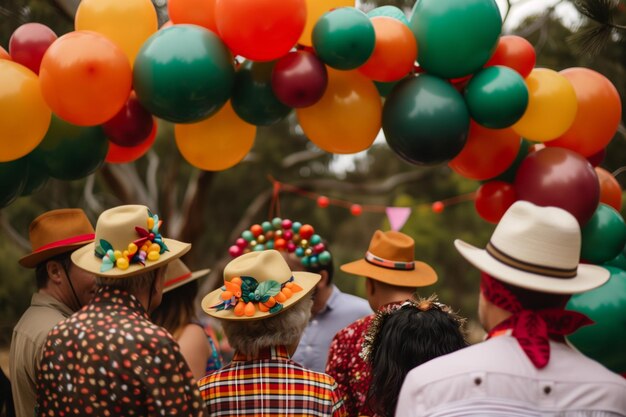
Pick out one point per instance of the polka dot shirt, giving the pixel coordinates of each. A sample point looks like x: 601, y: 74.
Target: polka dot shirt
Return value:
x: 108, y: 359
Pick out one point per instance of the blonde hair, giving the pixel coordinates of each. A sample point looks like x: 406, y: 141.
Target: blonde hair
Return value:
x: 286, y: 328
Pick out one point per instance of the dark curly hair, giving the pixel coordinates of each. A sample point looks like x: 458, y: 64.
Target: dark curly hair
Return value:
x: 401, y: 339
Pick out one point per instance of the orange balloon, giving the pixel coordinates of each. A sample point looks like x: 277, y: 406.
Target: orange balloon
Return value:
x: 4, y: 54
x: 167, y: 24
x: 394, y: 53
x: 197, y: 12
x: 216, y: 143
x: 260, y: 30
x: 24, y: 115
x: 487, y: 153
x: 85, y: 78
x: 314, y: 10
x: 348, y: 117
x: 598, y: 116
x: 610, y: 190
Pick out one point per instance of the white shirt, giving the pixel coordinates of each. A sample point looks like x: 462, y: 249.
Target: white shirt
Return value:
x: 495, y: 378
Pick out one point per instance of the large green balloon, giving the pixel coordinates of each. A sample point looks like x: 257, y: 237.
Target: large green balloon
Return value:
x: 425, y: 120
x: 604, y: 341
x: 183, y: 74
x: 253, y: 98
x: 37, y: 175
x: 455, y: 37
x: 604, y: 236
x: 344, y: 38
x: 496, y: 97
x: 12, y: 180
x: 389, y: 11
x: 618, y: 262
x: 71, y: 152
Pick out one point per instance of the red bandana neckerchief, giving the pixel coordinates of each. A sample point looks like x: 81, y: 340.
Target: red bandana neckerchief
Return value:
x: 532, y: 329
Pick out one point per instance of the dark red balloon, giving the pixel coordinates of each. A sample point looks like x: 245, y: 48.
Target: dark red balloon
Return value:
x: 122, y: 154
x: 597, y: 158
x: 493, y: 199
x: 299, y: 79
x: 561, y: 178
x: 29, y: 43
x: 131, y: 126
x: 514, y: 52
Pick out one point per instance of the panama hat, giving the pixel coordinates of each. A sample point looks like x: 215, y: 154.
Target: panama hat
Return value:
x: 536, y: 248
x: 390, y: 259
x: 258, y: 285
x: 178, y: 274
x: 128, y: 242
x: 56, y: 232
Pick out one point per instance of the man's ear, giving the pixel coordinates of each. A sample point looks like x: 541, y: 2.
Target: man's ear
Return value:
x: 324, y: 280
x: 55, y: 272
x: 159, y: 282
x: 370, y: 287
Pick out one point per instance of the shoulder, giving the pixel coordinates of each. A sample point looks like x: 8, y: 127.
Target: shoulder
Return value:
x: 193, y: 332
x: 355, y: 329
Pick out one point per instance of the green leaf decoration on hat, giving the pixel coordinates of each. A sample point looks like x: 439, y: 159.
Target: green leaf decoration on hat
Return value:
x: 103, y: 248
x: 276, y: 308
x: 267, y: 289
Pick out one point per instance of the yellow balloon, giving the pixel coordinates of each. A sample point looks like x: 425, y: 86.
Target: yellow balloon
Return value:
x: 314, y: 10
x: 216, y: 143
x: 348, y: 117
x: 24, y: 115
x: 128, y: 23
x: 552, y: 106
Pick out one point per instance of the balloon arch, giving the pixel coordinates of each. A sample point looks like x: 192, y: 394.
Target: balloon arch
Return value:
x: 444, y: 86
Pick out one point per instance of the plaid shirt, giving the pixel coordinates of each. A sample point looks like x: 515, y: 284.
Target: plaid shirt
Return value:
x: 271, y: 385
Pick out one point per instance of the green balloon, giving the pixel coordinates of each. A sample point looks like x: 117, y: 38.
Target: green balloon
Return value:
x: 604, y: 341
x: 496, y: 97
x: 389, y: 11
x: 425, y: 120
x: 71, y: 152
x: 253, y: 98
x: 618, y: 262
x: 511, y: 172
x: 12, y: 180
x: 604, y: 236
x: 183, y: 74
x: 344, y: 38
x: 37, y: 175
x: 455, y: 38
x: 384, y: 89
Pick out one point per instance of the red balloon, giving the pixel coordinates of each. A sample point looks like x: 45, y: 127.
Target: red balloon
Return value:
x: 597, y: 158
x: 514, y: 52
x: 437, y: 207
x: 260, y: 30
x: 356, y: 210
x: 122, y: 154
x: 29, y: 43
x: 131, y: 125
x: 560, y: 178
x: 493, y: 199
x: 299, y: 79
x: 487, y: 153
x: 610, y: 190
x: 323, y: 201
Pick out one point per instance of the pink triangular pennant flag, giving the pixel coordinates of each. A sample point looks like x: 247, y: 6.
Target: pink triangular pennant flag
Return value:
x: 398, y: 216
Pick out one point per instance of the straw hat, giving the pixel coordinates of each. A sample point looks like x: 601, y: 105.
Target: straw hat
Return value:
x: 390, y: 259
x: 536, y: 248
x: 128, y: 242
x: 178, y: 274
x: 56, y: 232
x: 261, y: 285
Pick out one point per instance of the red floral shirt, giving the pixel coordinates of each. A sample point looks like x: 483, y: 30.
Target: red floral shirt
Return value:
x: 350, y: 371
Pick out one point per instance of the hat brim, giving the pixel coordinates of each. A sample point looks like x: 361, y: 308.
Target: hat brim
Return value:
x: 85, y: 259
x: 587, y: 277
x: 35, y: 258
x: 194, y: 275
x: 306, y: 280
x: 421, y: 276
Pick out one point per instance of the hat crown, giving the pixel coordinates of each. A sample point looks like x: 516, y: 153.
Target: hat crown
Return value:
x: 117, y: 225
x: 393, y: 246
x: 56, y: 225
x: 543, y: 236
x: 268, y: 265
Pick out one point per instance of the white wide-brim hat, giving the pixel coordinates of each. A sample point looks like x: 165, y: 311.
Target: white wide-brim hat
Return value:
x: 266, y: 270
x: 537, y: 248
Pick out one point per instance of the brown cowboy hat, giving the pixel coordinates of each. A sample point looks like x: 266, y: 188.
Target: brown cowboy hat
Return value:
x: 179, y: 274
x: 56, y: 232
x: 390, y: 259
x: 119, y: 227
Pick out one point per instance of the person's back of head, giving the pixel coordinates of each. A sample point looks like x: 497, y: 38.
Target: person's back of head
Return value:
x: 400, y: 339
